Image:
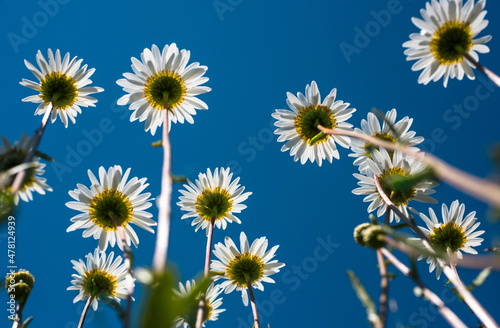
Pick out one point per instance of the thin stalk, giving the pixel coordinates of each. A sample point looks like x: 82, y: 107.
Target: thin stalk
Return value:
x: 451, y: 273
x: 19, y: 179
x: 445, y: 312
x: 384, y: 288
x: 492, y: 76
x: 206, y: 271
x: 163, y: 233
x: 84, y: 312
x: 18, y: 322
x: 481, y: 189
x: 254, y: 307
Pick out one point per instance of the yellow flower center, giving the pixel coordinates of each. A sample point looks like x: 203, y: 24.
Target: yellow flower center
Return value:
x: 110, y: 209
x: 448, y: 236
x: 245, y: 269
x: 165, y: 90
x: 214, y: 204
x: 450, y: 41
x: 99, y: 283
x: 399, y: 193
x: 309, y: 118
x: 59, y: 89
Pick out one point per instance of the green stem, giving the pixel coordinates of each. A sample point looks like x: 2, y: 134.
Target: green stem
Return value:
x: 84, y: 312
x: 254, y: 306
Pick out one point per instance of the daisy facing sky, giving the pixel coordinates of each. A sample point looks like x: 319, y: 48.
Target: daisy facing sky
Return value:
x: 249, y: 266
x: 298, y: 125
x: 385, y: 167
x: 447, y: 30
x: 111, y: 201
x: 101, y: 276
x: 12, y: 155
x: 62, y: 86
x: 453, y: 234
x: 213, y: 196
x: 163, y: 81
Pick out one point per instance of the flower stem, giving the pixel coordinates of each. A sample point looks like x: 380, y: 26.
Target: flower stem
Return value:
x: 206, y: 271
x: 384, y: 288
x: 451, y: 273
x: 163, y: 233
x: 84, y: 312
x: 18, y: 321
x: 254, y: 307
x: 481, y: 189
x: 445, y: 312
x: 19, y: 179
x: 492, y: 76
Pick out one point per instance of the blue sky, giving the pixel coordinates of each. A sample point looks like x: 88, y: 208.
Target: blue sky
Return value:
x: 256, y: 51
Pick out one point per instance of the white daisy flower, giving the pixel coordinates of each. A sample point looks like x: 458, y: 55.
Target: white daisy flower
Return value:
x: 110, y: 202
x: 212, y: 303
x: 448, y: 29
x: 62, y: 87
x: 298, y: 126
x: 163, y: 81
x: 250, y: 266
x: 389, y: 168
x: 14, y: 155
x: 453, y: 235
x: 213, y: 197
x: 392, y: 131
x: 101, y: 278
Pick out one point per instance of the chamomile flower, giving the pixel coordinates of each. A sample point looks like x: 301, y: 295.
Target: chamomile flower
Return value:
x: 453, y: 234
x: 12, y: 155
x: 392, y: 131
x: 213, y: 196
x: 62, y: 86
x: 448, y: 29
x: 111, y: 201
x: 388, y: 168
x: 212, y: 303
x: 251, y: 265
x: 161, y: 82
x: 101, y: 276
x: 298, y: 126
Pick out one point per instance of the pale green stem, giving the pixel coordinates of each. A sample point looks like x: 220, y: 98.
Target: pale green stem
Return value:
x: 481, y: 189
x: 84, y: 312
x: 254, y: 306
x: 206, y: 271
x: 384, y: 289
x: 445, y: 312
x: 492, y: 76
x: 19, y: 179
x: 163, y: 231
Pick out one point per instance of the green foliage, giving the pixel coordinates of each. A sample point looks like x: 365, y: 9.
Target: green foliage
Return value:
x: 365, y: 299
x: 27, y: 322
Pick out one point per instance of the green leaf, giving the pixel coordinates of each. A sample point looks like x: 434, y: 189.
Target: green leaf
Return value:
x: 480, y: 279
x: 159, y: 308
x: 43, y: 156
x: 27, y: 322
x: 364, y: 298
x: 189, y: 304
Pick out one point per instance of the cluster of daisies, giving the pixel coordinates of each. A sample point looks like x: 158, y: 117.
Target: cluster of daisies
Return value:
x: 312, y: 129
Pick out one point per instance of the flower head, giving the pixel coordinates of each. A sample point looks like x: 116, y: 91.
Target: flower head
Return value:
x: 298, y: 126
x: 392, y: 131
x: 12, y: 155
x: 387, y: 169
x: 453, y: 235
x: 212, y: 303
x: 213, y: 197
x: 161, y: 82
x: 251, y: 265
x: 19, y: 285
x: 62, y: 86
x: 101, y: 277
x: 111, y: 202
x: 448, y: 29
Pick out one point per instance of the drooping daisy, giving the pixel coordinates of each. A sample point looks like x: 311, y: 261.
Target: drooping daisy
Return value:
x: 212, y: 303
x: 110, y: 202
x: 249, y: 266
x: 298, y: 126
x: 163, y: 81
x: 392, y: 131
x: 387, y: 168
x: 62, y: 86
x: 448, y: 29
x: 213, y: 197
x: 14, y: 155
x: 453, y: 235
x: 101, y: 277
